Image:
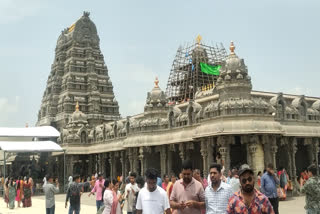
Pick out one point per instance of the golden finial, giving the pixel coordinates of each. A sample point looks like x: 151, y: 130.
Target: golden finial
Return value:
x: 232, y: 47
x: 27, y: 125
x: 77, y: 106
x: 198, y: 39
x: 156, y: 82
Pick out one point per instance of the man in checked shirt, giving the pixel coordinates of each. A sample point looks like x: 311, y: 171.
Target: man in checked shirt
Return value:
x: 217, y: 195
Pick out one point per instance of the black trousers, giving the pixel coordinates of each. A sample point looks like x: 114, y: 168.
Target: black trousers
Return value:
x: 275, y: 204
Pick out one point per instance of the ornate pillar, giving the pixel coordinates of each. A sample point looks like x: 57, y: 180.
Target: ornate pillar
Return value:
x: 141, y: 158
x: 163, y: 159
x: 135, y: 160
x: 130, y: 157
x: 69, y: 164
x: 182, y: 153
x: 252, y: 151
x: 211, y: 144
x: 171, y: 148
x: 274, y: 149
x: 294, y: 149
x: 123, y: 162
x: 204, y: 153
x: 316, y: 152
x: 223, y: 150
x: 111, y: 162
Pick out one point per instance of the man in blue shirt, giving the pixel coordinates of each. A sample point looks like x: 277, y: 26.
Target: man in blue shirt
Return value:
x: 269, y: 182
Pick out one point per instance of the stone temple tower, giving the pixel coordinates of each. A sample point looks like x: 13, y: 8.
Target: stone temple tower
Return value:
x: 78, y: 74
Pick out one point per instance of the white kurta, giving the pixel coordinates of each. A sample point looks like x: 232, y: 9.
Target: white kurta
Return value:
x: 107, y: 201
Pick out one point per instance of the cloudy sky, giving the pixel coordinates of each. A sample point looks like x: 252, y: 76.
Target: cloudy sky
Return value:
x: 139, y: 39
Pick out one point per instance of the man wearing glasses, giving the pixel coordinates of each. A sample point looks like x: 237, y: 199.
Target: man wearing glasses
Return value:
x: 248, y: 199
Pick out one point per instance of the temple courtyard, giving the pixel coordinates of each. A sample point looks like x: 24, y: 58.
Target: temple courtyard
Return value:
x: 293, y: 205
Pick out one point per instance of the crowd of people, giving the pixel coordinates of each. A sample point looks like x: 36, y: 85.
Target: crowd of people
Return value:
x: 190, y: 194
x: 17, y: 190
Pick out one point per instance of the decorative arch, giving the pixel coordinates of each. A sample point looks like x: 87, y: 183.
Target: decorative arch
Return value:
x: 301, y: 105
x: 280, y: 105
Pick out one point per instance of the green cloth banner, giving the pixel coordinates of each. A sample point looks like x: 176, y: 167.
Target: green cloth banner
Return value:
x: 210, y: 69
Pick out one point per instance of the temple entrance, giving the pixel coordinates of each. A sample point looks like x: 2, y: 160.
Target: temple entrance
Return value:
x: 176, y: 163
x: 196, y: 157
x: 238, y: 153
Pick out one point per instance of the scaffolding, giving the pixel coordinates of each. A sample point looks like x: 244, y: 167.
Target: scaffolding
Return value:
x: 186, y: 77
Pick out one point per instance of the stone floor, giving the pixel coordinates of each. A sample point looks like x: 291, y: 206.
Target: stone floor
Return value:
x: 293, y: 205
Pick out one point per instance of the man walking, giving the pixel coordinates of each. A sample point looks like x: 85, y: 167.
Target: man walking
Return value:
x: 98, y: 189
x: 187, y: 195
x: 248, y: 200
x: 49, y: 190
x: 269, y: 182
x: 217, y: 195
x: 130, y: 193
x: 312, y: 191
x: 74, y: 194
x: 152, y: 199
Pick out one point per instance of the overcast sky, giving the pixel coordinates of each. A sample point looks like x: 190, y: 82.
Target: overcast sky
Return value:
x: 139, y: 39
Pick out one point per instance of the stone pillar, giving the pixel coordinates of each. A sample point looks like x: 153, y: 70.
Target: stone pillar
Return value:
x: 163, y: 159
x: 223, y: 150
x: 69, y: 166
x: 130, y: 157
x: 316, y: 152
x: 274, y: 149
x: 135, y: 160
x: 252, y: 151
x: 171, y: 148
x: 123, y: 163
x: 141, y: 159
x: 211, y: 144
x: 293, y: 149
x: 182, y: 153
x: 204, y: 153
x: 111, y: 163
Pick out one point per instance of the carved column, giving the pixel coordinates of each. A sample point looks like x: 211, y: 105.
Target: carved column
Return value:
x: 123, y: 163
x: 204, y: 153
x: 316, y: 152
x: 111, y: 162
x: 141, y: 158
x: 163, y: 159
x: 252, y: 151
x: 223, y: 150
x: 274, y: 149
x: 135, y: 160
x: 69, y: 165
x: 171, y: 148
x: 182, y: 151
x: 294, y: 149
x: 211, y: 144
x: 130, y: 157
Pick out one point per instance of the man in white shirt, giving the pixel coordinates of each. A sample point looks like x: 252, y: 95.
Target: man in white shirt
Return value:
x: 217, y: 195
x: 152, y: 199
x: 130, y: 193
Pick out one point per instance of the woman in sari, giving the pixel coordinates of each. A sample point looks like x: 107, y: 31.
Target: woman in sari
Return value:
x: 116, y: 208
x: 6, y: 191
x: 19, y: 197
x: 27, y: 190
x: 12, y: 193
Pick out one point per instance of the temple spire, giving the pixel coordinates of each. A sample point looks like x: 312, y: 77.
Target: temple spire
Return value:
x: 77, y: 106
x: 232, y: 48
x: 198, y: 39
x: 156, y: 82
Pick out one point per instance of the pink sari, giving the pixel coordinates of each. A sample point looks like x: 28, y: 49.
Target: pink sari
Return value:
x: 114, y: 203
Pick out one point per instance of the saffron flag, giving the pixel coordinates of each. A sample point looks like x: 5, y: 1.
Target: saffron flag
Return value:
x: 210, y: 69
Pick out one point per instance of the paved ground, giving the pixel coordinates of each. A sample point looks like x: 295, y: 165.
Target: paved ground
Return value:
x: 293, y: 205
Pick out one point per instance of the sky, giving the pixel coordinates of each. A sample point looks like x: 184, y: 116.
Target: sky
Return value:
x: 139, y: 40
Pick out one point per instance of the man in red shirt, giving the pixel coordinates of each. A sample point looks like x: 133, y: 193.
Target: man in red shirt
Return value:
x: 248, y: 200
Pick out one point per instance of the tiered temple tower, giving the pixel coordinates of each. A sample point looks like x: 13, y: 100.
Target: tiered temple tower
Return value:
x: 78, y: 74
